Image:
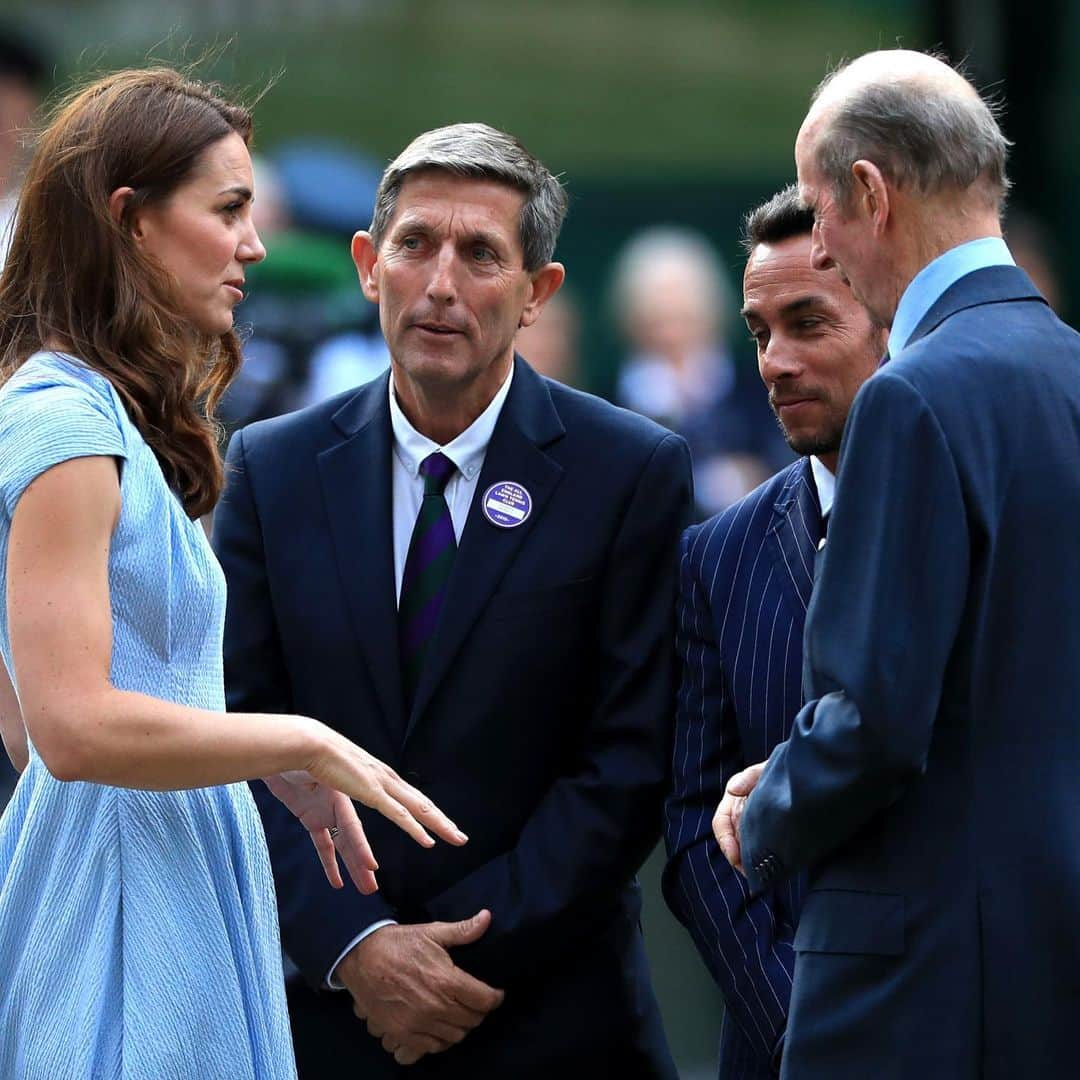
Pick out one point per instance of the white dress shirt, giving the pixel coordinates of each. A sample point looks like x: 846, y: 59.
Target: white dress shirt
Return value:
x: 467, y: 452
x: 825, y: 482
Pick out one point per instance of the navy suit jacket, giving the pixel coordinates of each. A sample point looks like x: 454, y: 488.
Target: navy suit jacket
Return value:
x: 932, y: 785
x: 539, y: 723
x: 745, y: 583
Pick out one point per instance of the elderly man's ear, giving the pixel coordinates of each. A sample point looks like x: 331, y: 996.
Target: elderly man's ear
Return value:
x: 872, y: 191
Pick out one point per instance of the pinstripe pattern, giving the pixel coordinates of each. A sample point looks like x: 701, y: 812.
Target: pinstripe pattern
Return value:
x: 745, y: 582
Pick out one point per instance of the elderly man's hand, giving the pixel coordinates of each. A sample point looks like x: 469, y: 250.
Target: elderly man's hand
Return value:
x: 409, y: 991
x: 725, y: 823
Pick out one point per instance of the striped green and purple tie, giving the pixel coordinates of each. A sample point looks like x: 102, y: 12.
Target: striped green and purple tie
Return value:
x: 427, y: 571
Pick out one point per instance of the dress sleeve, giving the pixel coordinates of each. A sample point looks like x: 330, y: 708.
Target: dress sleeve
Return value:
x: 47, y: 421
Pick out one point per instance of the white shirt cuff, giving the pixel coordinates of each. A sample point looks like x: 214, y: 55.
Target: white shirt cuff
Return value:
x: 331, y: 982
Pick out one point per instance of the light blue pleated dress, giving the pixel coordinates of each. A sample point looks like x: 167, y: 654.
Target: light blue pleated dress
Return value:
x: 138, y: 932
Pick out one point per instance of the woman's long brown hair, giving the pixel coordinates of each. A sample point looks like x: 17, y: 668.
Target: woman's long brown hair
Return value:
x: 75, y: 276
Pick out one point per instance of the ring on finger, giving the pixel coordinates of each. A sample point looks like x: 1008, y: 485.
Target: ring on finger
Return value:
x: 334, y: 830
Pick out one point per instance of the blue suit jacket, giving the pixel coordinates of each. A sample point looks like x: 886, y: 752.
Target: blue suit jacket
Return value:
x: 745, y: 585
x: 933, y: 785
x: 539, y: 723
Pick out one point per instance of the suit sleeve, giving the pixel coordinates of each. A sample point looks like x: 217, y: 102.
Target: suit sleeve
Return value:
x: 880, y: 631
x: 746, y: 943
x: 317, y: 921
x: 595, y: 826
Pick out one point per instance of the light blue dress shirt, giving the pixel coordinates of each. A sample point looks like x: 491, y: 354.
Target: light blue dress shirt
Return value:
x: 930, y: 283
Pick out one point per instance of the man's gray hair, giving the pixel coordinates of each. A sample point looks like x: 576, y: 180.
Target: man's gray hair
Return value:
x: 918, y: 137
x: 482, y: 153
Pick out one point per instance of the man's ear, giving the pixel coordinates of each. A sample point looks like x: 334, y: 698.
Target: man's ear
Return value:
x: 366, y: 257
x: 872, y: 190
x: 118, y: 204
x: 544, y: 285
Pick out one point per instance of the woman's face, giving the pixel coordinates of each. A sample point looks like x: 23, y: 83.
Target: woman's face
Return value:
x: 204, y: 237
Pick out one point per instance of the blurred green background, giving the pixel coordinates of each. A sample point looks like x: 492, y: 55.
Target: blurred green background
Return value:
x: 681, y: 111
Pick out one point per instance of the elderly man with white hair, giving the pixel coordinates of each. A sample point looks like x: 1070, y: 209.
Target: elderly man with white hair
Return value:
x: 930, y: 783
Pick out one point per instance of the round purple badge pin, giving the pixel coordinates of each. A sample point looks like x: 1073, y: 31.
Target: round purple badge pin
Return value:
x: 507, y: 504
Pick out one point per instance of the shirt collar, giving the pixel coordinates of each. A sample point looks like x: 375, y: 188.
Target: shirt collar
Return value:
x: 930, y: 283
x: 825, y: 482
x: 466, y: 451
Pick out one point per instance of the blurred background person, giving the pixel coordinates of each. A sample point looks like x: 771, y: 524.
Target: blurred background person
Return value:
x: 330, y: 187
x: 673, y: 305
x: 312, y: 334
x: 23, y: 70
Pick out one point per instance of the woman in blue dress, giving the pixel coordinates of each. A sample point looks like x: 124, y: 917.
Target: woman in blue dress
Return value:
x: 138, y: 933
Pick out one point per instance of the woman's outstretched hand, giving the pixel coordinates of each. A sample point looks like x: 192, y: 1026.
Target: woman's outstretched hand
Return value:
x: 321, y: 797
x: 331, y: 820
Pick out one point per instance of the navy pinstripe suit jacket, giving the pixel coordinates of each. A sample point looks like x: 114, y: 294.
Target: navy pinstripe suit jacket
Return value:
x: 746, y: 578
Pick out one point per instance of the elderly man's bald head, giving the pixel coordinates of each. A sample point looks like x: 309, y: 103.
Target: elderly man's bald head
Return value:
x: 920, y: 72
x: 917, y: 119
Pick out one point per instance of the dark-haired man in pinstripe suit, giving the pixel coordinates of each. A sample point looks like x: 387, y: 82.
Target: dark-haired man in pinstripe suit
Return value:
x: 746, y: 580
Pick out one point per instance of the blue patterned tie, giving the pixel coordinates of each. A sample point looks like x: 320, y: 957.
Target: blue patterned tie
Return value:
x: 427, y: 572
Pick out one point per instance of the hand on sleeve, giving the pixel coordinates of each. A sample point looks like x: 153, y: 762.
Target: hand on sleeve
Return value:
x: 729, y: 813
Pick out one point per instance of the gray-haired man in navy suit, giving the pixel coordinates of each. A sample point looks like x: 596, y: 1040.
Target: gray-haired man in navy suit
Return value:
x: 746, y: 580
x: 472, y: 569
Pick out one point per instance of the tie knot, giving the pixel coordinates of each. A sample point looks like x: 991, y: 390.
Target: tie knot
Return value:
x: 436, y: 469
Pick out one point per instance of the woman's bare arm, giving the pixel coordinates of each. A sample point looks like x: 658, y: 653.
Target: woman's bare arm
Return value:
x: 61, y: 639
x: 84, y: 728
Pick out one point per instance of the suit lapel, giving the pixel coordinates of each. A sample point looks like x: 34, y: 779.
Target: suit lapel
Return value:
x: 527, y: 423
x: 793, y: 536
x: 358, y: 492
